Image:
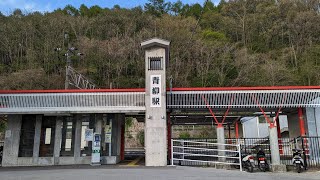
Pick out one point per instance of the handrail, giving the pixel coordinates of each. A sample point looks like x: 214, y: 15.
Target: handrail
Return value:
x: 222, y: 153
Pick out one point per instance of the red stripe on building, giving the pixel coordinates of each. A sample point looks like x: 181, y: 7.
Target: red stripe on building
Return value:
x: 70, y: 91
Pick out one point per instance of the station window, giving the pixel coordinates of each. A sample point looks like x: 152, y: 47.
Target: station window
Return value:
x: 27, y: 136
x: 68, y: 135
x: 155, y: 63
x: 47, y: 136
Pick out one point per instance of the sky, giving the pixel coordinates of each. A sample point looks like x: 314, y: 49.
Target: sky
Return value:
x: 7, y: 6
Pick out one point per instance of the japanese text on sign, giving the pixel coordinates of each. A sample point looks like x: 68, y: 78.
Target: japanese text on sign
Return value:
x: 155, y: 90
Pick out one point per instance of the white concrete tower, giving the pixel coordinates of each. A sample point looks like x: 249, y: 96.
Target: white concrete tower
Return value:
x: 156, y: 59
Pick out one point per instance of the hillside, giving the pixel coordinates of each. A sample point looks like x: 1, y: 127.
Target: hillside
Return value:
x: 236, y: 43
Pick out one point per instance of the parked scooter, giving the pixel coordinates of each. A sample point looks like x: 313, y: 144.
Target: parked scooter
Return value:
x: 297, y: 160
x: 262, y: 160
x: 248, y: 162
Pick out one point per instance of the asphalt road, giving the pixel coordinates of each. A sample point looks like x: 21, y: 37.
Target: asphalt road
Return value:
x: 143, y: 173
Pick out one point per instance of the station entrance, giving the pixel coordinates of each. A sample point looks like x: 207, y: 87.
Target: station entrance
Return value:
x: 63, y: 139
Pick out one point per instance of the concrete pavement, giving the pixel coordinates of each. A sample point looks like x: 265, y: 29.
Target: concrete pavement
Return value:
x: 142, y: 173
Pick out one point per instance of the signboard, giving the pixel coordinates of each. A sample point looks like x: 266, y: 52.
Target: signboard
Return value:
x: 96, y: 145
x: 88, y: 134
x: 108, y: 132
x: 155, y: 91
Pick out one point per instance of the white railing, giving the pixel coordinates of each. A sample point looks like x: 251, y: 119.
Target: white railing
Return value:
x: 204, y: 152
x: 78, y: 80
x: 244, y: 99
x: 93, y: 102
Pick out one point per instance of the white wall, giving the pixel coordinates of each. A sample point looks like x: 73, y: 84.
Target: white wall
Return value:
x: 250, y: 127
x: 253, y: 129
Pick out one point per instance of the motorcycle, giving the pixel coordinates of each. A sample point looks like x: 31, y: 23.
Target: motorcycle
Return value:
x: 297, y: 160
x: 248, y: 162
x: 262, y: 161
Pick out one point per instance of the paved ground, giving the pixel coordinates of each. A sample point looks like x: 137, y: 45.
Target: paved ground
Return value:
x: 142, y: 173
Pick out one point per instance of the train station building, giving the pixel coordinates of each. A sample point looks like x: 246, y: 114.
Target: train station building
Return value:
x: 56, y: 127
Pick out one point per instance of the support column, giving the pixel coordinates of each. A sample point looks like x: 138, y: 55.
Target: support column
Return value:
x: 116, y: 134
x: 169, y: 136
x: 12, y: 140
x: 279, y: 135
x: 98, y: 125
x: 77, y: 139
x: 301, y: 122
x: 122, y: 146
x: 221, y: 140
x: 274, y: 147
x: 57, y: 140
x: 237, y: 129
x: 36, y: 142
x: 64, y: 134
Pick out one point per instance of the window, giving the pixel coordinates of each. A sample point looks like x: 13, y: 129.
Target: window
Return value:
x: 68, y: 135
x: 47, y: 136
x: 155, y: 63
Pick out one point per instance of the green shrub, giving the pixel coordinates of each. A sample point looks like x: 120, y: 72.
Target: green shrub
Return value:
x: 213, y: 35
x: 140, y: 137
x: 184, y: 135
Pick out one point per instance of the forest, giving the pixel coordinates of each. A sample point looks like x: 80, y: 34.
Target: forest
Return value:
x: 233, y: 43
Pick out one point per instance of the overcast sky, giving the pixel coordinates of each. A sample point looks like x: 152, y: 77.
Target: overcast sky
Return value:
x: 7, y: 6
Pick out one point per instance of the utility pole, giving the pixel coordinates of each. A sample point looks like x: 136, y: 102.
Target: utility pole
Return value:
x: 67, y: 81
x: 72, y: 76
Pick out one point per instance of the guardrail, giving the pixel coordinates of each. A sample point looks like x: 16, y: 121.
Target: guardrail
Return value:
x: 205, y: 153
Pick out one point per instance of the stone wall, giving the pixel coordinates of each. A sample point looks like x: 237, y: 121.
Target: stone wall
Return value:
x: 131, y: 140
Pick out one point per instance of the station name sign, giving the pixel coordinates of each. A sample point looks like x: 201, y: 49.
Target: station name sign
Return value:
x: 155, y: 91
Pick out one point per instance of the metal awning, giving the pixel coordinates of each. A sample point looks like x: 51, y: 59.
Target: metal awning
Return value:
x: 133, y: 100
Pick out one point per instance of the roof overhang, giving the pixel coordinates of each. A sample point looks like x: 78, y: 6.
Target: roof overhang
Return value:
x: 154, y: 42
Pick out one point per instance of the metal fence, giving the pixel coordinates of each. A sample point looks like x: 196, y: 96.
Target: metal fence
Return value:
x: 199, y: 153
x: 310, y: 146
x: 311, y: 149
